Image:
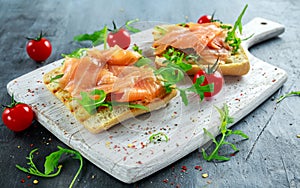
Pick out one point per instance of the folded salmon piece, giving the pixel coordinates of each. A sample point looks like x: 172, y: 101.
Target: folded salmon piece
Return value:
x: 207, y: 40
x: 113, y: 72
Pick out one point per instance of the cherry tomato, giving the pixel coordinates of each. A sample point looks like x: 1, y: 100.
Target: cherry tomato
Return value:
x: 121, y: 37
x: 204, y: 19
x: 17, y: 116
x: 38, y: 49
x: 216, y: 78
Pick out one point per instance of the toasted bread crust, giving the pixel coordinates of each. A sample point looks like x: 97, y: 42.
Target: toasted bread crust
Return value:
x: 104, y: 118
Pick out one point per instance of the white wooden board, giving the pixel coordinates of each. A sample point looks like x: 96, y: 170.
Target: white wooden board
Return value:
x: 183, y: 124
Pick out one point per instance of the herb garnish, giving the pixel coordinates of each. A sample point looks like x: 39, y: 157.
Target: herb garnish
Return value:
x: 225, y: 120
x: 157, y: 137
x: 287, y: 95
x: 177, y: 57
x: 99, y: 37
x: 80, y: 52
x: 51, y: 163
x: 97, y: 98
x: 175, y: 71
x: 231, y: 38
x: 56, y: 77
x: 130, y: 28
x: 137, y: 49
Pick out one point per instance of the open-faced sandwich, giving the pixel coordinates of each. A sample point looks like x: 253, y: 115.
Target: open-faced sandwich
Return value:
x: 202, y: 45
x: 104, y: 87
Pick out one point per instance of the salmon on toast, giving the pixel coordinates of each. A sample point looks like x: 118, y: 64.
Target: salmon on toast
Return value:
x: 104, y: 87
x: 202, y: 45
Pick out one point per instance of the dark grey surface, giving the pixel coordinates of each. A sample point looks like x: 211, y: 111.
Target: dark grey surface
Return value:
x: 270, y: 158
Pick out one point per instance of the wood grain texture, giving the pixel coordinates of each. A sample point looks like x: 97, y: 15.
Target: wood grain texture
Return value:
x: 113, y: 150
x: 270, y: 158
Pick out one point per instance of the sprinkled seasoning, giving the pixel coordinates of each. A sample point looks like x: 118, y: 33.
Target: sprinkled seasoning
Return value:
x: 35, y: 182
x: 205, y: 175
x: 183, y: 169
x: 197, y: 167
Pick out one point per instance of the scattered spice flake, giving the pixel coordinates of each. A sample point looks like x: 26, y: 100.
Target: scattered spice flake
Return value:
x: 31, y: 145
x: 197, y: 167
x: 28, y: 177
x: 22, y: 180
x: 232, y: 154
x: 35, y: 182
x: 124, y: 158
x: 274, y: 80
x: 139, y: 162
x: 204, y: 175
x: 143, y: 145
x: 183, y: 169
x: 107, y: 144
x: 166, y: 180
x: 131, y: 146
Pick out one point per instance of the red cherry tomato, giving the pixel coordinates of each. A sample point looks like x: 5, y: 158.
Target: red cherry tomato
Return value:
x: 216, y: 78
x: 121, y: 38
x: 39, y: 49
x: 204, y: 19
x: 18, y: 116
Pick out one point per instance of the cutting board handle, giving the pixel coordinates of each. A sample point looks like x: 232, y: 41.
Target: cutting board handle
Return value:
x: 261, y: 29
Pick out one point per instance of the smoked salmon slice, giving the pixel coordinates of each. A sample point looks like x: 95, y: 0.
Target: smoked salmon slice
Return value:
x: 112, y: 71
x: 207, y: 40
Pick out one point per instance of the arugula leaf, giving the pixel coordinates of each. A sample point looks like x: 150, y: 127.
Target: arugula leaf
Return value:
x: 51, y: 163
x: 90, y: 101
x: 157, y: 137
x: 175, y: 57
x: 130, y: 28
x: 137, y: 49
x: 33, y: 169
x: 231, y: 38
x: 143, y: 61
x: 174, y: 72
x: 171, y: 74
x: 287, y: 95
x: 80, y: 52
x: 56, y: 77
x: 225, y: 120
x: 199, y: 89
x: 96, y: 38
x: 91, y: 104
